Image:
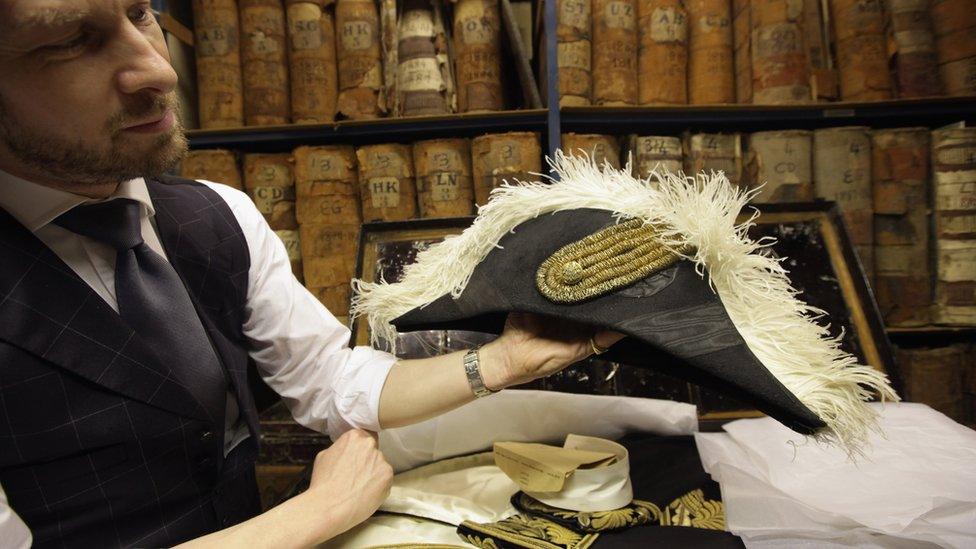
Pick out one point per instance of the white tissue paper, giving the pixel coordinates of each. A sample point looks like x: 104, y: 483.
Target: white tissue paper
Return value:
x: 915, y: 487
x: 531, y: 416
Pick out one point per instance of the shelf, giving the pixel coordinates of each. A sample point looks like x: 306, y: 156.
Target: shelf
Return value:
x: 674, y: 119
x: 357, y: 132
x: 935, y: 330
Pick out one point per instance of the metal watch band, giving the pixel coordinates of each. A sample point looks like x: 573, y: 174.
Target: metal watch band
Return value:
x: 472, y: 368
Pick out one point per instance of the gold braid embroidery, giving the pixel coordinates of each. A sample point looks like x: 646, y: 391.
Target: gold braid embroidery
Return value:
x: 604, y: 261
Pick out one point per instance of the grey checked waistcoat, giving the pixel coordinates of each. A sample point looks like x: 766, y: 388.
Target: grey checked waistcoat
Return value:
x: 100, y: 445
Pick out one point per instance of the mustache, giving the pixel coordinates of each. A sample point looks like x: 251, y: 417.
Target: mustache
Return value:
x: 143, y: 107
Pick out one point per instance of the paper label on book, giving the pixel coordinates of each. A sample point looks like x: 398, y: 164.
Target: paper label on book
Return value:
x: 669, y: 25
x: 304, y: 26
x: 216, y: 40
x: 293, y: 244
x: 619, y: 15
x: 955, y: 195
x: 659, y: 147
x: 266, y: 197
x: 712, y: 22
x: 416, y: 23
x: 419, y: 74
x: 505, y: 154
x: 575, y: 13
x: 574, y: 54
x: 444, y: 186
x: 958, y: 157
x: 262, y: 44
x: 956, y: 261
x: 357, y: 35
x: 384, y: 192
x: 543, y: 468
x: 477, y: 30
x: 776, y: 40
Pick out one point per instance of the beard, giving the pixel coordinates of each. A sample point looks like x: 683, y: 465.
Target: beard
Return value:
x: 81, y: 161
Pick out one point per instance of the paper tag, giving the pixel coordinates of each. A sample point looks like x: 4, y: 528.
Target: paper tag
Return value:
x: 543, y: 468
x: 214, y: 41
x: 575, y: 13
x: 444, y: 186
x: 574, y: 54
x: 303, y: 22
x: 416, y: 23
x: 357, y: 35
x: 262, y: 44
x: 266, y: 197
x: 668, y: 25
x: 619, y: 15
x: 476, y: 30
x: 384, y: 192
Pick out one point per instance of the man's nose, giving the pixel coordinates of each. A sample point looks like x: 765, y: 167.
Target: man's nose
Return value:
x: 145, y: 62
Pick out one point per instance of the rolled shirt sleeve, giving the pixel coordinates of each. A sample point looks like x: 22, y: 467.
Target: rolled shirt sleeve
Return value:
x: 301, y: 350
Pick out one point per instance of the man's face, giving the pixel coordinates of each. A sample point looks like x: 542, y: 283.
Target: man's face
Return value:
x: 87, y: 94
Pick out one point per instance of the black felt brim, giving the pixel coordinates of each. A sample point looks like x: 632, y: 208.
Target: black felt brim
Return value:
x: 674, y: 321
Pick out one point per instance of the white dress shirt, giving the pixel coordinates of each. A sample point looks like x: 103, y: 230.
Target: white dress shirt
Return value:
x: 300, y: 349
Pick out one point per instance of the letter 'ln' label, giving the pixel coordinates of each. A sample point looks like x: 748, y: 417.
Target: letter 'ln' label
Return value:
x: 444, y: 187
x: 384, y: 192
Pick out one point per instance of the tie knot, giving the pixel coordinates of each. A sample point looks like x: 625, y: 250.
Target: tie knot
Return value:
x: 116, y: 223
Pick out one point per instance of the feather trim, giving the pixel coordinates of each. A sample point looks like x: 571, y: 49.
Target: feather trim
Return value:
x: 781, y: 330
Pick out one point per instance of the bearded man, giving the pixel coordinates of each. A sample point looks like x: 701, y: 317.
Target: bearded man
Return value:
x: 133, y: 304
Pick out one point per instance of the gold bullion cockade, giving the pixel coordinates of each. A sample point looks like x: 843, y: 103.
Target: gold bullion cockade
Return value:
x: 605, y: 261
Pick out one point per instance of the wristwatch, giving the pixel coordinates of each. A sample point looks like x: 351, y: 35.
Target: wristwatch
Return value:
x: 472, y: 368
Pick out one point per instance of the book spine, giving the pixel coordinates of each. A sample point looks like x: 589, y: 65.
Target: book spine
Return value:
x: 714, y: 152
x: 573, y: 52
x: 329, y: 258
x: 662, y: 59
x: 954, y: 22
x: 711, y: 70
x: 862, y: 59
x: 216, y: 35
x: 615, y: 52
x: 780, y: 161
x: 264, y: 63
x: 656, y: 152
x: 742, y: 49
x: 217, y: 165
x: 444, y: 179
x: 900, y: 174
x: 603, y: 149
x: 934, y: 377
x: 954, y: 169
x: 359, y: 55
x: 312, y: 62
x: 842, y: 173
x: 780, y: 64
x: 916, y: 63
x: 478, y: 55
x: 270, y: 181
x: 497, y: 158
x: 386, y: 182
x: 420, y: 85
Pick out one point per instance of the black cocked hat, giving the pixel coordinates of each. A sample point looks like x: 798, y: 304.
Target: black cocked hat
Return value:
x: 662, y: 261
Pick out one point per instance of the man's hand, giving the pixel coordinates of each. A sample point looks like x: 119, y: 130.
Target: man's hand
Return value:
x: 533, y: 346
x: 352, y: 476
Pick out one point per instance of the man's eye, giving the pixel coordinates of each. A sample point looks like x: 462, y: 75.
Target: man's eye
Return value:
x: 143, y: 15
x: 69, y: 45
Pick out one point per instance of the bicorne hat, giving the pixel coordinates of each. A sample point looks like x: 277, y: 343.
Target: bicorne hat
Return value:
x: 662, y: 261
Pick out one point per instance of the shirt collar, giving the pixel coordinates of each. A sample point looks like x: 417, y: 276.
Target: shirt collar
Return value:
x: 35, y: 206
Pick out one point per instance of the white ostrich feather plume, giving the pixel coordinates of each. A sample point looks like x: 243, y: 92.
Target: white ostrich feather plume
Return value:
x: 781, y: 330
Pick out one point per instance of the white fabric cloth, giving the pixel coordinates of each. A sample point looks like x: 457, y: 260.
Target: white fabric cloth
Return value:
x: 531, y: 416
x: 300, y: 349
x: 437, y: 494
x: 915, y: 487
